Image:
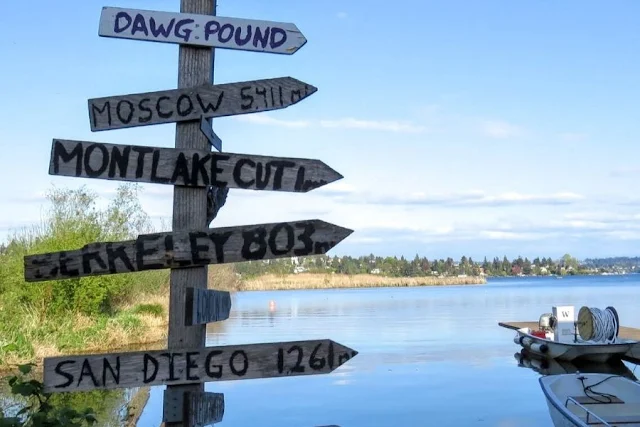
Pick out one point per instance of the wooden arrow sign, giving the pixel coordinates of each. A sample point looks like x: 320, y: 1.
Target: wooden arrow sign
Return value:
x: 201, y: 30
x: 181, y: 249
x: 193, y: 366
x: 187, y: 167
x: 193, y: 103
x: 206, y: 306
x: 212, y: 137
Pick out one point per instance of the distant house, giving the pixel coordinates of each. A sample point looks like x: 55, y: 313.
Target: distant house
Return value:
x: 375, y: 271
x: 516, y: 270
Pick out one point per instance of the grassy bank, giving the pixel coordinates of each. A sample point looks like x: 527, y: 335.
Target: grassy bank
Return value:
x: 335, y: 281
x: 114, y: 312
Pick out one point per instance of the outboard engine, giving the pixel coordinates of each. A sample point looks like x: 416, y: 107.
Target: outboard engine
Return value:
x: 547, y: 322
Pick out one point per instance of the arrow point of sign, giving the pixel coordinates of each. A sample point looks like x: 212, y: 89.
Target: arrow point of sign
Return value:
x: 342, y: 353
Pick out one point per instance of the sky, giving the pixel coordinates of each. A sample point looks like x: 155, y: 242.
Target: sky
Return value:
x: 461, y: 128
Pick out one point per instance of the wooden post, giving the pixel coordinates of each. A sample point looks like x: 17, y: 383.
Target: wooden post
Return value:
x: 195, y: 67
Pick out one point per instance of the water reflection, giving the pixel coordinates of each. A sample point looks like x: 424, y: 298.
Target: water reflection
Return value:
x: 544, y: 366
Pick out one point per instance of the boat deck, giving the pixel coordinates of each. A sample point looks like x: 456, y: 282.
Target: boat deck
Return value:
x: 625, y: 332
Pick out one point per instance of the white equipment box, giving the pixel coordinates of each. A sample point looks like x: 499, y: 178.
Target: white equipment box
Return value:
x: 564, y: 330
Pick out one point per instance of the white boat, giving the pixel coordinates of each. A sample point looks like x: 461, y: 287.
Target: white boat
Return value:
x: 581, y: 350
x: 582, y: 400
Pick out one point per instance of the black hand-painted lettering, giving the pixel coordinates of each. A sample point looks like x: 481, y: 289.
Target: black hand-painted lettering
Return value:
x: 154, y: 169
x: 186, y: 33
x: 330, y: 356
x: 215, y: 170
x: 298, y: 366
x: 295, y: 92
x: 141, y: 251
x: 237, y: 173
x: 67, y: 375
x: 182, y: 169
x: 281, y: 95
x: 157, y: 30
x: 59, y: 152
x: 343, y: 358
x: 280, y: 362
x: 222, y: 37
x: 263, y: 92
x: 219, y: 239
x: 258, y: 37
x: 170, y: 357
x: 92, y: 173
x: 139, y: 25
x: 145, y: 368
x: 238, y: 36
x: 94, y: 109
x: 116, y: 253
x: 257, y: 236
x: 87, y: 256
x: 198, y: 168
x: 142, y: 151
x: 87, y: 371
x: 273, y: 236
x: 300, y: 179
x: 212, y: 371
x: 263, y: 173
x: 273, y: 98
x: 142, y: 105
x: 115, y: 374
x: 305, y: 238
x: 211, y: 28
x: 316, y: 363
x: 64, y: 269
x: 279, y: 165
x: 191, y: 364
x: 119, y: 160
x: 197, y: 248
x: 119, y: 111
x: 322, y: 247
x: 245, y: 96
x: 164, y: 115
x: 183, y: 110
x: 273, y: 42
x: 210, y: 107
x: 245, y: 363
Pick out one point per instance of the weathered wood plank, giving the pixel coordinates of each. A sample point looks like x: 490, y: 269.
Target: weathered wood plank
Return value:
x: 201, y: 30
x: 203, y: 409
x: 212, y: 137
x: 187, y: 167
x: 206, y: 306
x: 182, y: 249
x: 193, y: 103
x: 193, y: 365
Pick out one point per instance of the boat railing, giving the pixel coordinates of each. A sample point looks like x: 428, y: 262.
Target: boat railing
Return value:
x: 575, y: 402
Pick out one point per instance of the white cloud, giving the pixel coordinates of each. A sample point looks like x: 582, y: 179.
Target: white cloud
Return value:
x: 345, y: 123
x: 383, y: 125
x: 268, y: 120
x: 464, y: 199
x: 500, y: 129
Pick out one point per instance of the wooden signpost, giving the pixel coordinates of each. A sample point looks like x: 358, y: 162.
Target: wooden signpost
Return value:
x: 187, y: 167
x: 199, y: 177
x: 201, y: 30
x: 194, y: 103
x: 193, y: 365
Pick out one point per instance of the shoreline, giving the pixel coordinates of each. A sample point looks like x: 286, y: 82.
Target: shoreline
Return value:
x: 143, y: 326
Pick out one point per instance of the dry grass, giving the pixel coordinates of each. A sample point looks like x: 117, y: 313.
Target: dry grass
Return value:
x: 334, y: 281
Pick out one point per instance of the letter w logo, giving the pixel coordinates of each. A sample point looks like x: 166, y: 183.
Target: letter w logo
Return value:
x: 565, y: 314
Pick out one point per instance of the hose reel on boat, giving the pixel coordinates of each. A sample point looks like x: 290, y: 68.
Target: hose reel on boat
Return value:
x: 598, y: 325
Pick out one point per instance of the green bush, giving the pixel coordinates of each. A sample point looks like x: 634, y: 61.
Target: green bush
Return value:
x: 73, y: 221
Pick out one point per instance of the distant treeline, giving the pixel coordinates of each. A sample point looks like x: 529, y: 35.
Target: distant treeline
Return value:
x: 419, y: 266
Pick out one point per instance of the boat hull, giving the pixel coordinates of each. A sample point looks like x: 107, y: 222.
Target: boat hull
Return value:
x: 545, y: 348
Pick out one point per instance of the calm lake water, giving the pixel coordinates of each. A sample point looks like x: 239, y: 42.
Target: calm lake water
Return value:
x: 427, y: 356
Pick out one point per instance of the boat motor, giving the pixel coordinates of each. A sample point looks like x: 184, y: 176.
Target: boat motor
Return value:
x: 547, y: 322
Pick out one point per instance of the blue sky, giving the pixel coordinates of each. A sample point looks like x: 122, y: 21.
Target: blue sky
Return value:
x: 461, y: 127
